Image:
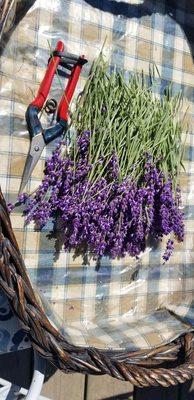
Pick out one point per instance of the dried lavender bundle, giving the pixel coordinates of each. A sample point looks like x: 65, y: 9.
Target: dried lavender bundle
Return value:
x: 117, y: 184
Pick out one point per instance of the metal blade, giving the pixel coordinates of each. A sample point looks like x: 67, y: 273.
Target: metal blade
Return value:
x: 36, y: 148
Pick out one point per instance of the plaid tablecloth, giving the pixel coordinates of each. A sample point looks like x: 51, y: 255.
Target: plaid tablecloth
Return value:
x: 123, y: 303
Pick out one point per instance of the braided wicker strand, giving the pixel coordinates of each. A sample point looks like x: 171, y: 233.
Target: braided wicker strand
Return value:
x: 141, y: 368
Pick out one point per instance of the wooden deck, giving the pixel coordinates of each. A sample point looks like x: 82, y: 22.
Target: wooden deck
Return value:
x: 17, y: 367
x: 78, y: 387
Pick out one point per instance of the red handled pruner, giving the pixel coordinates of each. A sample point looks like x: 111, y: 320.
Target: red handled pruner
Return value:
x: 40, y: 137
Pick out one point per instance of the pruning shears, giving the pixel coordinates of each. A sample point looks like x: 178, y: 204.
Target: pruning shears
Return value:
x: 58, y: 62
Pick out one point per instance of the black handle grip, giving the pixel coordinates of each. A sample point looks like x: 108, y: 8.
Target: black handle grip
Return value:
x: 54, y: 131
x: 35, y: 126
x: 32, y: 120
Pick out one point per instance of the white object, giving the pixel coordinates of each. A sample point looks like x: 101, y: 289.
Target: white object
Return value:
x: 37, y: 379
x: 9, y: 391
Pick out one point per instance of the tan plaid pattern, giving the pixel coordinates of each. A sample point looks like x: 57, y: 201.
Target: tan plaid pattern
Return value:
x: 124, y: 303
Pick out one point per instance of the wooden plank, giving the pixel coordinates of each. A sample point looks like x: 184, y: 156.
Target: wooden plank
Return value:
x: 159, y: 393
x: 64, y: 387
x: 106, y: 388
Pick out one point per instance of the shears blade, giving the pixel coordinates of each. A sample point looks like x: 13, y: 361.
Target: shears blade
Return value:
x: 36, y: 148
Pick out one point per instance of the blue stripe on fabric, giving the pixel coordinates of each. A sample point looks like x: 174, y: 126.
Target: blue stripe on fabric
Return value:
x: 189, y: 212
x: 118, y: 52
x: 74, y: 275
x: 188, y: 318
x: 168, y: 51
x: 158, y: 22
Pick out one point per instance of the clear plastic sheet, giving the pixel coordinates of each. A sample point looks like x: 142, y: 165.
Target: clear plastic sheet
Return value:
x: 119, y: 303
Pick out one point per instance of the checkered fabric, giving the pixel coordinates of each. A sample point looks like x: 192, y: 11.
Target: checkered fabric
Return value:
x: 122, y: 303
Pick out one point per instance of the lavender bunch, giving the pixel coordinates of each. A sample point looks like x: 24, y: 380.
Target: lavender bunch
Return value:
x: 117, y: 184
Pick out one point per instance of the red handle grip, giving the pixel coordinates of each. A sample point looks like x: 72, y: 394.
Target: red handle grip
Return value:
x: 47, y: 80
x: 68, y: 94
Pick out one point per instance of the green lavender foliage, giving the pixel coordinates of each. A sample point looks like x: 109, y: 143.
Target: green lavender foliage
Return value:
x: 126, y: 118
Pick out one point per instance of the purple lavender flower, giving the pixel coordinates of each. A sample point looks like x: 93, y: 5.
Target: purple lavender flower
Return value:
x: 169, y: 250
x: 22, y: 198
x: 110, y: 217
x: 10, y: 207
x: 83, y: 142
